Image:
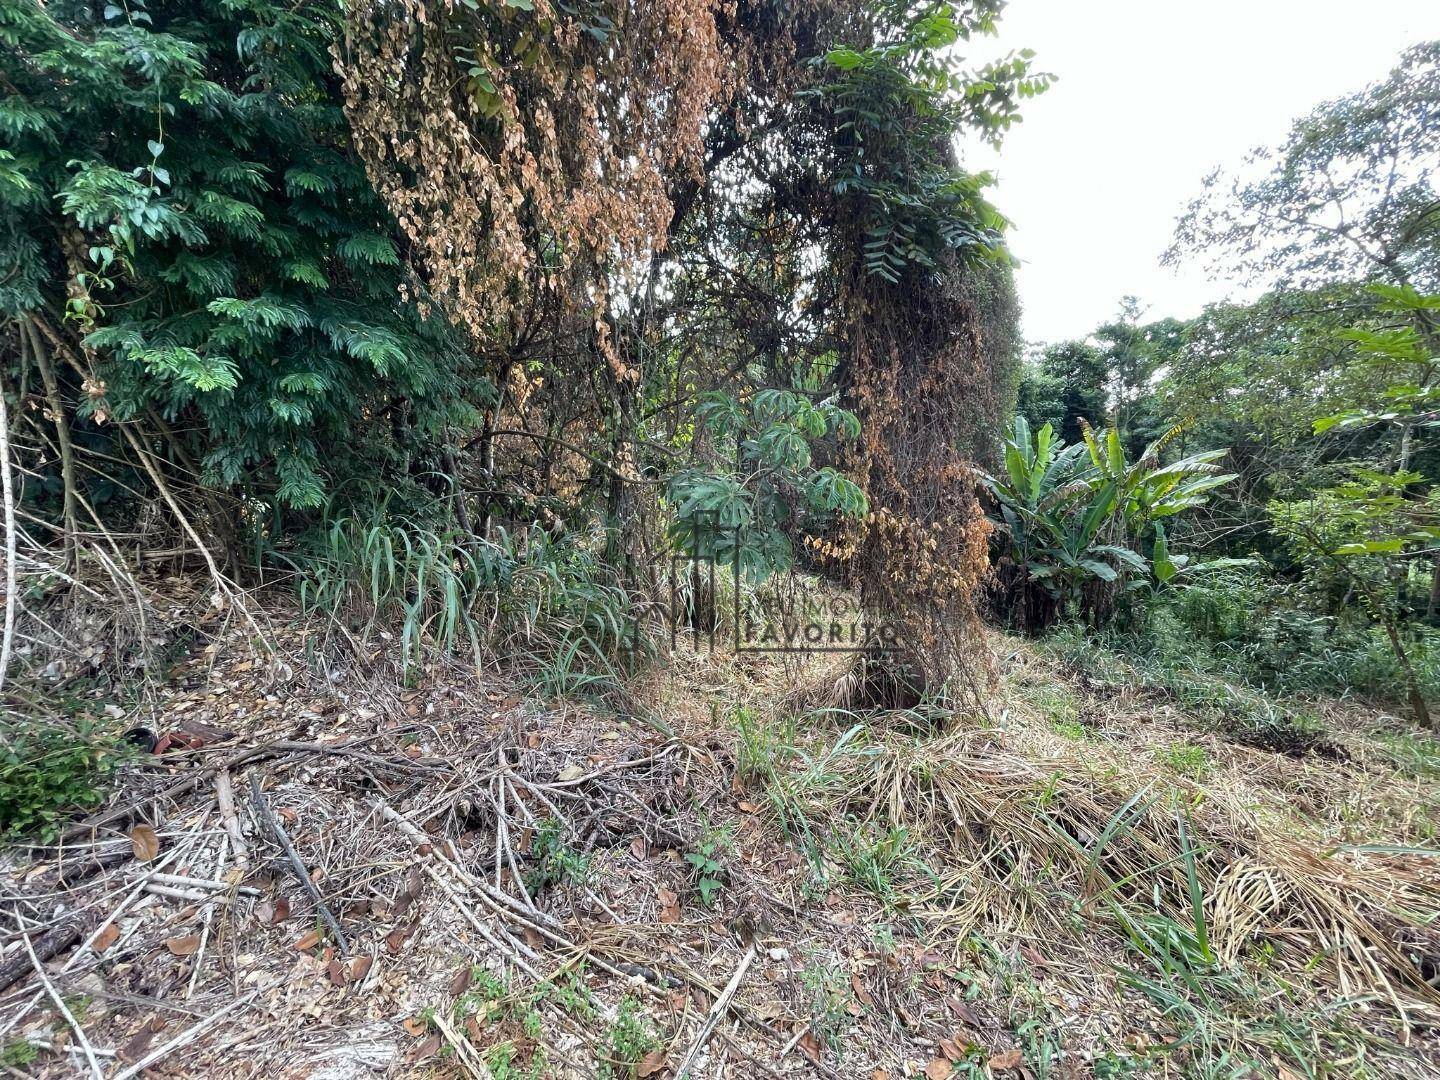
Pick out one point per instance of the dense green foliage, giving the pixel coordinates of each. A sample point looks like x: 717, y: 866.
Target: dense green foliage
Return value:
x: 180, y: 193
x: 1320, y: 396
x: 1084, y: 525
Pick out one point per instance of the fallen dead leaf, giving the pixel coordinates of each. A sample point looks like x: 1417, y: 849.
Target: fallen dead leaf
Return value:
x: 938, y: 1069
x: 669, y: 905
x: 954, y: 1047
x: 650, y: 1064
x: 415, y: 1026
x: 107, y: 937
x: 360, y: 967
x: 184, y: 946
x: 307, y: 941
x: 144, y: 842
x: 1010, y: 1059
x: 857, y: 987
x: 135, y: 1049
x: 810, y: 1046
x: 461, y: 980
x: 336, y: 971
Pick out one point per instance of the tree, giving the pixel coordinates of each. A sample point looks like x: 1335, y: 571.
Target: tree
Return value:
x: 198, y: 277
x: 1350, y: 195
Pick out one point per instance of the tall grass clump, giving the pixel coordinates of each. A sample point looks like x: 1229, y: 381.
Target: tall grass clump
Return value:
x: 548, y: 609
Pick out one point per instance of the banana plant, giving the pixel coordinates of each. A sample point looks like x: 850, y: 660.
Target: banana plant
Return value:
x: 1076, y: 515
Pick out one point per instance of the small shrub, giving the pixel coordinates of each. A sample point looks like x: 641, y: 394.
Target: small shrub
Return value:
x: 556, y: 861
x: 50, y: 771
x: 629, y: 1039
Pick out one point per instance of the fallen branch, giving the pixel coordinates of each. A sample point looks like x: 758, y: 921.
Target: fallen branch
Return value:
x: 12, y: 593
x: 225, y: 800
x: 262, y: 811
x: 50, y: 944
x: 63, y: 1009
x: 190, y: 783
x: 716, y: 1012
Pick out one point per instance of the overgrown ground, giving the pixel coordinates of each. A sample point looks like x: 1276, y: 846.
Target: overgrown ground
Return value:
x: 1101, y: 871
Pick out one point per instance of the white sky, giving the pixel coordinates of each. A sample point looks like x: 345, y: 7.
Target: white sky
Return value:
x: 1152, y: 94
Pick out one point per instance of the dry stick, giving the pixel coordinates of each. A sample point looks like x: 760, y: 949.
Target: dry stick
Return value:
x: 12, y: 600
x: 716, y: 1012
x: 225, y: 800
x: 62, y: 435
x: 474, y: 920
x: 262, y: 810
x: 465, y: 1053
x: 189, y: 1035
x: 487, y: 891
x: 180, y: 787
x: 207, y: 919
x: 63, y: 1008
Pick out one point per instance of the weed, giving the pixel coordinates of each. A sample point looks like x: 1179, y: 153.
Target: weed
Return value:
x: 49, y: 771
x: 628, y: 1040
x: 18, y: 1053
x: 552, y: 607
x: 874, y: 862
x: 570, y: 994
x: 706, y: 867
x: 555, y: 860
x: 1187, y: 760
x: 829, y: 994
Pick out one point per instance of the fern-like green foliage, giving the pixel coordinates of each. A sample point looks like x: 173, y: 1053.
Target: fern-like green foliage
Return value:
x: 189, y: 166
x: 893, y: 103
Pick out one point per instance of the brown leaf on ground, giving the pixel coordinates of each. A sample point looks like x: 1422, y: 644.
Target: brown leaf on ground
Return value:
x: 415, y: 1026
x: 144, y: 842
x: 810, y: 1046
x: 395, y: 940
x: 139, y: 1043
x: 307, y: 941
x: 360, y: 967
x: 336, y: 971
x: 429, y: 1048
x: 107, y: 937
x: 651, y: 1064
x: 184, y: 946
x: 461, y: 980
x: 1010, y: 1059
x: 272, y: 912
x: 669, y: 905
x: 938, y: 1069
x: 858, y: 988
x: 954, y: 1048
x: 963, y: 1012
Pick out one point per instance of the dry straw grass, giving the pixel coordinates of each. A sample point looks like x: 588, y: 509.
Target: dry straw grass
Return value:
x: 1032, y: 836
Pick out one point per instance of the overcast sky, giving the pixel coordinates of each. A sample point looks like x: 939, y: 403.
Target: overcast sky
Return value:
x: 1152, y: 94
